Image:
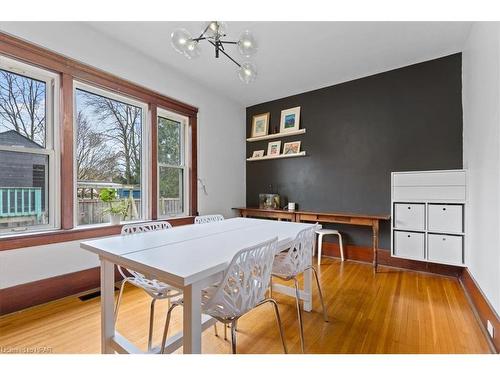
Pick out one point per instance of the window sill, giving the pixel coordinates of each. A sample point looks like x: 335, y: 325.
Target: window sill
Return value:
x: 20, y: 240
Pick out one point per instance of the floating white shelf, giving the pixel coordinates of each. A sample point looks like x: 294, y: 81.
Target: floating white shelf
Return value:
x: 276, y: 135
x: 281, y: 156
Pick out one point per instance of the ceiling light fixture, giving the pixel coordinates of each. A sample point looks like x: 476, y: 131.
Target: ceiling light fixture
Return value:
x: 213, y: 33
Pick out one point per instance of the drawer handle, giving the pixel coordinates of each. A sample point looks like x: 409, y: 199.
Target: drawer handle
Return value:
x: 444, y: 239
x: 409, y: 236
x: 409, y: 207
x: 444, y: 208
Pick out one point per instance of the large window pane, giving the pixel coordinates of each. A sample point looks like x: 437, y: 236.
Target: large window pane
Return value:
x: 108, y: 156
x: 169, y: 141
x: 23, y: 189
x: 171, y: 200
x: 24, y: 179
x: 22, y: 108
x: 171, y: 173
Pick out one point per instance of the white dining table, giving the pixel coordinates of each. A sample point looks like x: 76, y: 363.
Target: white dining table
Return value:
x: 188, y: 257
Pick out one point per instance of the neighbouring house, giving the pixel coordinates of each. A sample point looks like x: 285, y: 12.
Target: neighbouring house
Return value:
x: 23, y: 179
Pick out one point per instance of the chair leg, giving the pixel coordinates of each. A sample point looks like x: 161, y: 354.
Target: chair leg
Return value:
x: 280, y: 326
x: 151, y: 323
x: 215, y: 330
x: 320, y: 248
x: 299, y: 312
x: 233, y: 336
x: 325, y: 314
x: 341, y: 247
x: 271, y: 288
x: 315, y: 244
x: 225, y: 331
x: 165, y: 330
x: 118, y: 301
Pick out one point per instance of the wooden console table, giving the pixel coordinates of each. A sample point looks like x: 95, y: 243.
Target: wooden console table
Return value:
x: 323, y: 217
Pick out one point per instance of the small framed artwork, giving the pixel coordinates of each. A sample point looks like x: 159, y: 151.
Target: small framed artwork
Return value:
x: 290, y: 148
x: 260, y: 125
x: 290, y: 120
x: 273, y: 148
x: 258, y: 154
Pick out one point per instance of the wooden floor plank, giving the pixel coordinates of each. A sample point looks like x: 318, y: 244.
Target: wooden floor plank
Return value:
x: 394, y: 311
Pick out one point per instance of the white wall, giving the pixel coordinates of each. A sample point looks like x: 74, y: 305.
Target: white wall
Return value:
x: 221, y: 135
x: 481, y: 100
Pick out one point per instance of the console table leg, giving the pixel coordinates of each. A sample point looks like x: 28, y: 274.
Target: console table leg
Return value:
x: 375, y: 245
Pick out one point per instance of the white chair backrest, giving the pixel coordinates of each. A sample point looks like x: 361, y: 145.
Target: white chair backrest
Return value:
x: 141, y: 228
x: 299, y: 256
x: 208, y: 219
x: 145, y: 227
x: 245, y: 282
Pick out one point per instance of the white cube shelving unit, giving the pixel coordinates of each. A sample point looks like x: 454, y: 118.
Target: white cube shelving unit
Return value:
x: 428, y: 216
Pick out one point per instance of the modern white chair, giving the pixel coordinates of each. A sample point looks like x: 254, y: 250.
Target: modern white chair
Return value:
x: 325, y: 232
x: 208, y: 219
x: 294, y: 261
x: 156, y: 289
x: 242, y: 289
x: 205, y: 219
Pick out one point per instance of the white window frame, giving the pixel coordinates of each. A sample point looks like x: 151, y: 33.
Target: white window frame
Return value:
x: 52, y: 142
x: 185, y: 155
x: 145, y: 155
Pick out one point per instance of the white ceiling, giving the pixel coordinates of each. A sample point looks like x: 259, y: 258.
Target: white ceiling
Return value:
x: 295, y: 57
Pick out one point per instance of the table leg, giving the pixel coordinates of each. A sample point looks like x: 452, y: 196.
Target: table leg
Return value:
x: 308, y: 290
x: 107, y: 306
x: 375, y: 245
x: 192, y: 319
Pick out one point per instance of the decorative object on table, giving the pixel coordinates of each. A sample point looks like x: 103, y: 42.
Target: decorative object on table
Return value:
x: 214, y: 33
x: 291, y: 206
x: 290, y: 120
x: 117, y: 209
x: 269, y: 201
x: 273, y: 148
x: 258, y: 154
x: 260, y: 125
x: 291, y: 148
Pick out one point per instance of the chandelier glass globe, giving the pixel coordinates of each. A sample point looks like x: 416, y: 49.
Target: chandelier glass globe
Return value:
x: 247, y: 72
x: 192, y: 49
x: 179, y: 39
x: 247, y: 45
x: 215, y: 28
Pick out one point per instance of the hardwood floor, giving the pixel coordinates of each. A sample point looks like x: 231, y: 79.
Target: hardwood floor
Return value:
x: 394, y: 311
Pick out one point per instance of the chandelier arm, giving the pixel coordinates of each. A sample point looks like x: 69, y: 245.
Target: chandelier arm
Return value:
x: 228, y: 42
x: 198, y: 39
x: 204, y: 31
x: 224, y: 52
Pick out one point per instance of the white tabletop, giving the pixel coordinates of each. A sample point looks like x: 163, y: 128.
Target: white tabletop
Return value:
x: 186, y: 254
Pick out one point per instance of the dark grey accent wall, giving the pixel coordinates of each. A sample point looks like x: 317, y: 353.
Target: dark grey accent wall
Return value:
x: 360, y: 131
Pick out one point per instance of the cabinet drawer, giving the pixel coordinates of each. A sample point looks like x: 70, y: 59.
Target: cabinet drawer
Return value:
x: 429, y: 193
x: 441, y: 178
x: 409, y: 245
x: 409, y: 216
x: 446, y: 218
x: 445, y: 249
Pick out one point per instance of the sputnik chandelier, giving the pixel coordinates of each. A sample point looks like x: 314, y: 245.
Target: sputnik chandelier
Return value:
x: 214, y: 33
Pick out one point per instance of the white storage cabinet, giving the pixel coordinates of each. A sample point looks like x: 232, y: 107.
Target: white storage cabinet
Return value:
x: 428, y: 216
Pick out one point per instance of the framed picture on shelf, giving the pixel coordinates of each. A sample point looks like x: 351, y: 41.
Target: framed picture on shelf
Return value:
x: 260, y: 125
x: 290, y: 120
x: 258, y: 154
x: 290, y: 148
x: 273, y: 148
